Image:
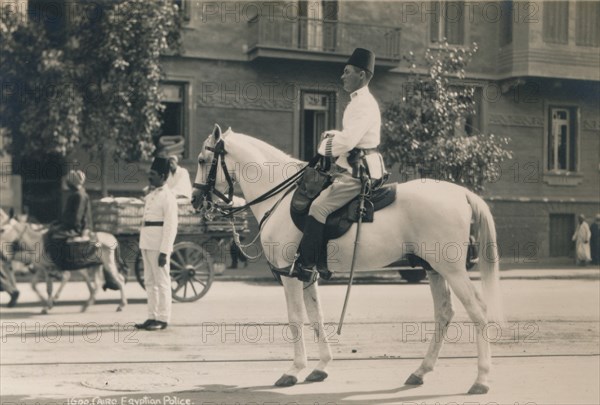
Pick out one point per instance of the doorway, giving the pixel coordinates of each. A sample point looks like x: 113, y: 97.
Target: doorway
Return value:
x: 562, y: 227
x: 317, y: 115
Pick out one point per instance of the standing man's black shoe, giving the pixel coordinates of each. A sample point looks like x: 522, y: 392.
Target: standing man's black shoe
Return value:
x: 14, y: 296
x: 144, y: 325
x: 157, y: 325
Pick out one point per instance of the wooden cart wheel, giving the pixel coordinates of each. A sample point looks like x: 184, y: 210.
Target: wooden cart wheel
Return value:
x: 192, y: 271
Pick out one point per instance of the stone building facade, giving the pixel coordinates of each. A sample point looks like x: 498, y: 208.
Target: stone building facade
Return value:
x: 271, y: 70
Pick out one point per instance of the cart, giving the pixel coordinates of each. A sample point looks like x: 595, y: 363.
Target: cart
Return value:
x: 200, y: 248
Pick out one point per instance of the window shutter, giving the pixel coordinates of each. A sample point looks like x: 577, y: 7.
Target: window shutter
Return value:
x: 556, y: 22
x: 455, y: 22
x: 587, y: 31
x: 436, y: 20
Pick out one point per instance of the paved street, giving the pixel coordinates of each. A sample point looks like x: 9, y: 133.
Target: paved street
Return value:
x: 232, y: 345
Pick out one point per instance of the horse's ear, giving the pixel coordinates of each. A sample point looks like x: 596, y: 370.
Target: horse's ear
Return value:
x: 217, y: 133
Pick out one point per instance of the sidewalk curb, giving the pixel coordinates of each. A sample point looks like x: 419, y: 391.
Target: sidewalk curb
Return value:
x: 397, y: 279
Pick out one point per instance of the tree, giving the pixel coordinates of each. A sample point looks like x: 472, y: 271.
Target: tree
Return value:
x: 41, y: 116
x: 422, y: 130
x: 97, y: 85
x: 122, y: 71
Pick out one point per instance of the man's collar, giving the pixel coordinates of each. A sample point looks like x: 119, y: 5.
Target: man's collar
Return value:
x: 361, y: 91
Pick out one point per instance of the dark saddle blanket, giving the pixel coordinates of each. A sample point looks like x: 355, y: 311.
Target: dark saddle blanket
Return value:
x: 72, y: 253
x: 340, y: 221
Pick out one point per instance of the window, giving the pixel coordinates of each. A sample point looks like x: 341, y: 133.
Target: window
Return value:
x: 330, y: 15
x: 171, y: 136
x: 587, y: 29
x: 556, y: 22
x: 474, y: 121
x: 184, y: 8
x: 447, y: 21
x: 562, y: 139
x: 471, y: 123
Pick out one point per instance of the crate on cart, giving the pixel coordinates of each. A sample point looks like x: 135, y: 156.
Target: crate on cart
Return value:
x: 124, y: 215
x: 118, y: 215
x: 198, y: 247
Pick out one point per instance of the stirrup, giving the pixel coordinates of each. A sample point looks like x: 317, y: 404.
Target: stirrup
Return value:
x: 310, y: 275
x: 307, y: 275
x: 325, y: 274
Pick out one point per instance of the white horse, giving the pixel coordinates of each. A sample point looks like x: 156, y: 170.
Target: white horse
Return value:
x: 31, y: 251
x: 426, y: 215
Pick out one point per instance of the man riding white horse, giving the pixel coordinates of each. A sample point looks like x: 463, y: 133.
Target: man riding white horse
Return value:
x: 356, y: 143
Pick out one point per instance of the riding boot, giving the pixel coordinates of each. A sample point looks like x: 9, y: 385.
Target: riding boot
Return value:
x: 309, y: 249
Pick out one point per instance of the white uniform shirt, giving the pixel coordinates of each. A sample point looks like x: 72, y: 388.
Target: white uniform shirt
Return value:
x: 361, y: 129
x: 161, y: 205
x: 179, y: 182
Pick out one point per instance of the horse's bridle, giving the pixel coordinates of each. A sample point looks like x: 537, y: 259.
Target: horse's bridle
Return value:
x: 209, y: 188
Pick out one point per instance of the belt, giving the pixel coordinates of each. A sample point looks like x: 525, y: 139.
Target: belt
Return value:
x: 153, y: 223
x: 368, y: 151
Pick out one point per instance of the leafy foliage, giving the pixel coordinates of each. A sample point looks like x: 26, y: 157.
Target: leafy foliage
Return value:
x: 98, y: 86
x: 421, y: 131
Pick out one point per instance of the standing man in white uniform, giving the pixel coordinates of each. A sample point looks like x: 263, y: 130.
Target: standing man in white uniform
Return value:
x: 359, y: 137
x: 157, y: 236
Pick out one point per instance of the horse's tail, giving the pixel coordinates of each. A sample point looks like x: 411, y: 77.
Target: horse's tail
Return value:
x: 488, y: 258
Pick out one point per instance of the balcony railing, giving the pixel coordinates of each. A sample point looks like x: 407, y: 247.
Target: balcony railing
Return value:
x: 329, y: 37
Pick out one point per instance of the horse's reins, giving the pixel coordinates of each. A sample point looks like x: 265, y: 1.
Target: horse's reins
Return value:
x: 209, y: 187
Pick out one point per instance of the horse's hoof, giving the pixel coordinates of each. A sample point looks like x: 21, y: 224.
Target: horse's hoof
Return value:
x: 119, y: 308
x: 45, y: 311
x: 414, y: 380
x: 479, y: 389
x: 316, y: 376
x: 286, y: 381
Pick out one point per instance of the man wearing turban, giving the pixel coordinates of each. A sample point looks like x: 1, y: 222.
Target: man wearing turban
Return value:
x: 179, y: 179
x: 77, y: 213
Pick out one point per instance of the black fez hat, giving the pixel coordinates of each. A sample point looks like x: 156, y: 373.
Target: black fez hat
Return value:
x: 362, y: 59
x: 160, y: 165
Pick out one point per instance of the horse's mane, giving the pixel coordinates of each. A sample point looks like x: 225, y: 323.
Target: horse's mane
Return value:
x: 267, y: 150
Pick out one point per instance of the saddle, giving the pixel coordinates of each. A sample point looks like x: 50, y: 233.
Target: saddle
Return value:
x: 340, y: 221
x: 72, y: 253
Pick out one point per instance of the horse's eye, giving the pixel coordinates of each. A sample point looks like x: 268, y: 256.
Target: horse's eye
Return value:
x: 201, y: 161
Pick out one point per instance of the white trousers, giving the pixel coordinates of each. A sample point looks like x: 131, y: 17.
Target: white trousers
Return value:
x: 343, y: 189
x: 158, y: 286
